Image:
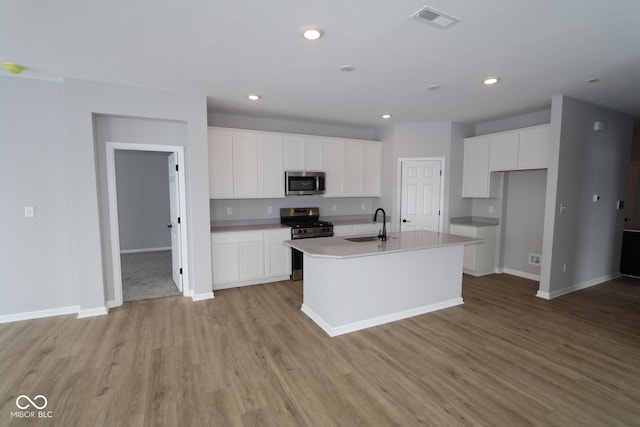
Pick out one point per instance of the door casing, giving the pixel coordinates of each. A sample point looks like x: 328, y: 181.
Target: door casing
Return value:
x: 114, y: 237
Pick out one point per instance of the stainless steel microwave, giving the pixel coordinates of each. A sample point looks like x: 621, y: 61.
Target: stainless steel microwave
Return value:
x: 303, y: 183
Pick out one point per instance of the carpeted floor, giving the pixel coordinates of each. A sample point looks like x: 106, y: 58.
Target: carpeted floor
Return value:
x: 147, y: 275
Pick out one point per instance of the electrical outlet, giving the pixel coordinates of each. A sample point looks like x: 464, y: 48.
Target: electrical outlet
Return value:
x: 229, y: 211
x: 269, y: 210
x: 363, y: 207
x: 334, y: 208
x: 564, y: 267
x: 534, y: 259
x: 490, y: 209
x: 29, y: 212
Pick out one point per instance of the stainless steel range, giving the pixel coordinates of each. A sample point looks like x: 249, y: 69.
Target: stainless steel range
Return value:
x: 305, y: 224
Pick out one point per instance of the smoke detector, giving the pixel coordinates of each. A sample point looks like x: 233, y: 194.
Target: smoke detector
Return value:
x: 435, y: 18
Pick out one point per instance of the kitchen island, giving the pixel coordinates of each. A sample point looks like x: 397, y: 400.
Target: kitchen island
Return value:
x: 363, y: 282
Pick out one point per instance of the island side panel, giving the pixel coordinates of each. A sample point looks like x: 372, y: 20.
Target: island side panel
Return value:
x: 347, y: 294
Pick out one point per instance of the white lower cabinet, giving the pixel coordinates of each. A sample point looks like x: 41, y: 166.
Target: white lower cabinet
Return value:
x: 242, y: 258
x: 277, y: 255
x: 479, y: 258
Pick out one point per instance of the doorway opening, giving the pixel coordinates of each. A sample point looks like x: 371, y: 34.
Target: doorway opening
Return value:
x: 421, y: 199
x: 147, y: 203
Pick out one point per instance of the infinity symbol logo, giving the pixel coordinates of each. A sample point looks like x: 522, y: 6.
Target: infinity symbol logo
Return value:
x: 33, y: 403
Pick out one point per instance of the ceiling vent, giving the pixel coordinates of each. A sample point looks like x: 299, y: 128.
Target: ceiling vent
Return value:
x: 435, y: 18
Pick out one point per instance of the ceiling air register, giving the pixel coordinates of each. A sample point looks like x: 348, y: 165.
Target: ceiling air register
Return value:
x: 435, y: 18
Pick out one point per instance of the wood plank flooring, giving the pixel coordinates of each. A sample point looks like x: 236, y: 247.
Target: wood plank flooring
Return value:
x: 251, y: 357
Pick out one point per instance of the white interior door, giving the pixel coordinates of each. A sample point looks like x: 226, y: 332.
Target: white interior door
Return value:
x: 421, y: 195
x: 176, y: 261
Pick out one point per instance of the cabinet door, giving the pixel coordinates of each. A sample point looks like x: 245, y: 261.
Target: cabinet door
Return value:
x: 353, y: 169
x: 534, y: 148
x: 251, y: 260
x: 475, y: 175
x: 334, y: 161
x: 220, y: 164
x: 245, y: 165
x: 313, y: 148
x: 294, y: 157
x: 271, y: 168
x: 372, y: 169
x: 277, y: 255
x: 503, y: 154
x: 224, y: 259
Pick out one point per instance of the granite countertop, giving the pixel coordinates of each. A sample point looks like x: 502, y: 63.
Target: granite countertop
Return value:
x: 337, y: 247
x: 475, y: 221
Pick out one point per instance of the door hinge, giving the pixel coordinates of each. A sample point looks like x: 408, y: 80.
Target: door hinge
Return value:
x: 440, y: 172
x: 438, y: 213
x: 180, y: 270
x: 178, y: 220
x: 177, y: 169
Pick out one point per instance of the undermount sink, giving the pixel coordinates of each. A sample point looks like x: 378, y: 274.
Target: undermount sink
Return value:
x: 365, y: 238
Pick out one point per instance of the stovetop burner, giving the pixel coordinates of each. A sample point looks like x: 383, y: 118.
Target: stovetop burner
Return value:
x: 304, y: 223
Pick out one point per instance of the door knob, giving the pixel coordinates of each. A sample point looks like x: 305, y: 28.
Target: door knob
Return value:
x: 404, y: 220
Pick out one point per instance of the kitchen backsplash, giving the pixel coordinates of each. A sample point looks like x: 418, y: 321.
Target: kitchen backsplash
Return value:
x: 242, y: 209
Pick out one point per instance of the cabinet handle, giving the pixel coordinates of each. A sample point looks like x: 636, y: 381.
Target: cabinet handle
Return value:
x: 169, y: 226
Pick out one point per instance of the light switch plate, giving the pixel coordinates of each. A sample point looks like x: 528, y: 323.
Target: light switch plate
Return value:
x: 29, y: 212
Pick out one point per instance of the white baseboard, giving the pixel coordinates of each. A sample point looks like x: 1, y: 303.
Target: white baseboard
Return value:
x: 136, y: 251
x: 91, y: 312
x: 202, y: 297
x: 28, y: 315
x: 519, y: 273
x: 578, y: 286
x: 333, y: 331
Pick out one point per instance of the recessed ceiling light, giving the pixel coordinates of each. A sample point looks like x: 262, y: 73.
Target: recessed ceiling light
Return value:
x: 347, y: 68
x: 593, y: 80
x: 311, y: 32
x: 254, y: 97
x: 491, y: 80
x: 433, y: 87
x: 386, y: 116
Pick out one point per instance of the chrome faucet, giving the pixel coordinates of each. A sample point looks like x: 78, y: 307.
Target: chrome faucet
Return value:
x: 382, y: 235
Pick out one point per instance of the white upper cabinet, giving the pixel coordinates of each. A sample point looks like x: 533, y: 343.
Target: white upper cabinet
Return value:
x: 521, y: 149
x: 220, y: 164
x: 503, y: 154
x: 270, y: 165
x: 476, y: 178
x: 485, y: 156
x: 353, y: 168
x: 313, y: 150
x: 372, y: 169
x: 245, y: 164
x: 533, y: 150
x: 303, y: 153
x: 334, y: 159
x: 251, y: 164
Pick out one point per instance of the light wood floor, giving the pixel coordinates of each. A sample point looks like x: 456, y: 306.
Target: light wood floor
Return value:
x: 250, y: 357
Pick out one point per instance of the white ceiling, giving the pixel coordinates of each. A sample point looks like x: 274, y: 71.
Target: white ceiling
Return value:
x: 227, y: 49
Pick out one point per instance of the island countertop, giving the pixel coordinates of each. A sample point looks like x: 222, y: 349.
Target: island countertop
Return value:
x: 340, y: 247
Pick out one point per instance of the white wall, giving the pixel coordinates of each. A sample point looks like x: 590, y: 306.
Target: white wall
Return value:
x: 587, y: 237
x: 143, y: 199
x: 523, y: 220
x: 35, y: 259
x: 83, y: 101
x: 288, y: 126
x: 429, y: 139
